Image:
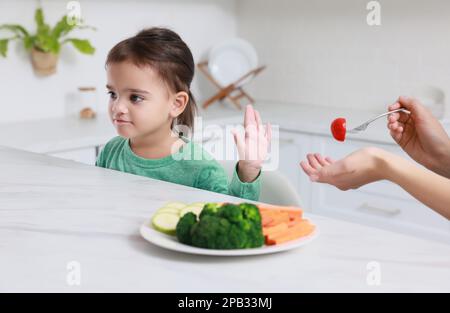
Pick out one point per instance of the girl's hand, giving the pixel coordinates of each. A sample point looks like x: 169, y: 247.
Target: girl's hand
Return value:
x: 253, y: 148
x: 421, y: 135
x: 362, y: 167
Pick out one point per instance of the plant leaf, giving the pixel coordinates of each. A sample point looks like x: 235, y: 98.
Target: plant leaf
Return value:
x: 39, y: 17
x: 47, y: 39
x: 43, y: 42
x: 42, y: 28
x: 62, y: 28
x: 28, y: 42
x: 20, y: 32
x: 82, y: 45
x: 55, y: 46
x: 3, y: 47
x: 16, y: 29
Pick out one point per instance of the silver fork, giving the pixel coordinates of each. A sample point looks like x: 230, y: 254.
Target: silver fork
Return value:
x: 363, y: 126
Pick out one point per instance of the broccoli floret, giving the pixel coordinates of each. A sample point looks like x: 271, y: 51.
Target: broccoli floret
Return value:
x: 251, y: 212
x: 231, y: 212
x: 228, y: 226
x: 252, y: 215
x: 184, y: 226
x: 209, y: 209
x: 211, y: 232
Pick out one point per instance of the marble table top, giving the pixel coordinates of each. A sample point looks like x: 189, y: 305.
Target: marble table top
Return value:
x: 69, y: 227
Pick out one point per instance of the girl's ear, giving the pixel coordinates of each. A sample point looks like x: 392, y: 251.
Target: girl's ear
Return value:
x: 180, y: 101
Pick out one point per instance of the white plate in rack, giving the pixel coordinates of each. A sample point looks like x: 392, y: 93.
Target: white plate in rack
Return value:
x: 230, y: 60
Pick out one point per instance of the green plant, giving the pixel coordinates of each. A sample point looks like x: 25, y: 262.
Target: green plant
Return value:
x: 46, y: 38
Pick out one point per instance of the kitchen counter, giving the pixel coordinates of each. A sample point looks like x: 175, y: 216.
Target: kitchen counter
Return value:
x: 54, y: 211
x: 66, y: 133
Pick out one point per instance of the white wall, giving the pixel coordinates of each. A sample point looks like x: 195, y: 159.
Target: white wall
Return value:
x: 24, y: 96
x: 319, y: 52
x: 322, y: 52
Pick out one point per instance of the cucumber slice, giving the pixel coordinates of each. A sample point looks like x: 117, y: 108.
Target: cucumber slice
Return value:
x: 175, y: 205
x: 191, y: 208
x: 168, y: 210
x: 165, y: 222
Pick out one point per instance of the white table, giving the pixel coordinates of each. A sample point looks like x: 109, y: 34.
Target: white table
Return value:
x: 54, y: 211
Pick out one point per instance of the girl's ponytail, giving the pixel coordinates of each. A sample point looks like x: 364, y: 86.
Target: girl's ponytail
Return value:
x: 186, y: 118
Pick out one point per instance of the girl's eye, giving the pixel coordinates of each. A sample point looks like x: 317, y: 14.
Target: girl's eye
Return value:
x: 136, y: 98
x: 112, y: 95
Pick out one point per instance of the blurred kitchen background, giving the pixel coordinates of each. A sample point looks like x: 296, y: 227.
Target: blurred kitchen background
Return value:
x: 320, y: 52
x: 323, y: 61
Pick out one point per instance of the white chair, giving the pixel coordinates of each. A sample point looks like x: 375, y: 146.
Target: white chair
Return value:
x: 275, y: 187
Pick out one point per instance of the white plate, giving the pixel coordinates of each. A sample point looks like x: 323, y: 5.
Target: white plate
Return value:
x: 230, y: 60
x: 171, y: 243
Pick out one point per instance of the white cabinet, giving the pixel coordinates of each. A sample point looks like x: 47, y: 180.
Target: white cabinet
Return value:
x: 82, y: 155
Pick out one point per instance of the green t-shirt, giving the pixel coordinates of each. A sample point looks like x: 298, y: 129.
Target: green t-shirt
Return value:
x: 190, y: 166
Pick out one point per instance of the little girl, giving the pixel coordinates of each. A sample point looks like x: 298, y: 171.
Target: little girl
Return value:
x: 149, y: 77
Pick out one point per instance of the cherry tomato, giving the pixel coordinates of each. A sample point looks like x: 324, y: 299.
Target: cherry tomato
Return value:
x: 338, y: 128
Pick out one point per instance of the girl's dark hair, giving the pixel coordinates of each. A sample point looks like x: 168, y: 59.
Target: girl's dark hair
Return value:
x: 169, y: 55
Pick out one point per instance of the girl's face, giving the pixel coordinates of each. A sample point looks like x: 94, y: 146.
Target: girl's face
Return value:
x: 140, y: 103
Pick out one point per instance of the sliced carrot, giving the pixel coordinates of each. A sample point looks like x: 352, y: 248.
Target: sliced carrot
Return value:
x: 271, y: 209
x: 302, y: 224
x: 294, y: 221
x: 295, y: 214
x: 292, y: 236
x: 301, y: 229
x: 278, y: 219
x: 288, y: 237
x: 283, y: 223
x: 270, y: 231
x: 269, y: 213
x: 266, y: 207
x: 265, y: 220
